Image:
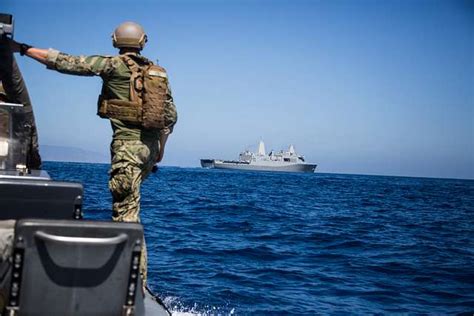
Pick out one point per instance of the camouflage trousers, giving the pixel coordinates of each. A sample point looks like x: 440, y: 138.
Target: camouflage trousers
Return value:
x: 132, y: 161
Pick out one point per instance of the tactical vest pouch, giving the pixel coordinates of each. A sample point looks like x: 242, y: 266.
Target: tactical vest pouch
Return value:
x: 154, y: 96
x: 102, y: 107
x: 126, y: 111
x: 148, y: 89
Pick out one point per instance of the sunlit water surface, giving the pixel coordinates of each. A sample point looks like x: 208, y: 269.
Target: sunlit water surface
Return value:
x: 243, y: 243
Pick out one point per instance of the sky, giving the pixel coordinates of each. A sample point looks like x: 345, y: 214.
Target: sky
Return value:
x: 365, y: 87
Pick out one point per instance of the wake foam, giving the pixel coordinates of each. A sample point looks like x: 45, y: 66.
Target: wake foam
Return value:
x: 177, y: 308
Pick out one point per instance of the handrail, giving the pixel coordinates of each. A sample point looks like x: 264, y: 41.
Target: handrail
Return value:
x: 107, y: 241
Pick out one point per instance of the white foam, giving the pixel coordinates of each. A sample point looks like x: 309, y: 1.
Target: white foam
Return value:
x: 178, y: 309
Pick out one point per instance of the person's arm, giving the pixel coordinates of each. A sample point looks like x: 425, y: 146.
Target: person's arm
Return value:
x: 171, y: 117
x: 69, y: 64
x: 38, y: 54
x: 163, y: 139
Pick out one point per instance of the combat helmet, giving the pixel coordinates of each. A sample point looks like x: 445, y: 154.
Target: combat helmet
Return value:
x: 129, y: 34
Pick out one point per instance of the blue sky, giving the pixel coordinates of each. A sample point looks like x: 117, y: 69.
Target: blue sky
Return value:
x: 372, y: 87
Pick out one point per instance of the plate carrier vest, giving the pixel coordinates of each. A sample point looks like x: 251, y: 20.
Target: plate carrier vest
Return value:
x: 148, y: 96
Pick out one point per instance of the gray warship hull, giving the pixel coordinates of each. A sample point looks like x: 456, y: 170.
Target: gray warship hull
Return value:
x: 237, y: 165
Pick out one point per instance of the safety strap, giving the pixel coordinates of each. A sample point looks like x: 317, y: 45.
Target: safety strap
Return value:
x: 136, y: 79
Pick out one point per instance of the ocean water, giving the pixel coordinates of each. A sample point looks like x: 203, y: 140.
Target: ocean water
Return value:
x: 243, y: 243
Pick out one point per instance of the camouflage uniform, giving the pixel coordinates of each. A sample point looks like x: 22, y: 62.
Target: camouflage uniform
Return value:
x: 133, y: 150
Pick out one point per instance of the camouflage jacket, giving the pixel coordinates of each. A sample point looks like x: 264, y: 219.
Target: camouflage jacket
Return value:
x: 116, y: 84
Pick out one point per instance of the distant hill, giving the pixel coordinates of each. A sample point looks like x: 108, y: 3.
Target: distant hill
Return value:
x: 74, y: 154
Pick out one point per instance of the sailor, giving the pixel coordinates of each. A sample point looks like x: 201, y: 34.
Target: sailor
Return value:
x: 13, y: 89
x: 137, y: 100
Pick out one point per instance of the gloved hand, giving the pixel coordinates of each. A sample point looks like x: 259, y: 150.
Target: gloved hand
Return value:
x: 16, y: 47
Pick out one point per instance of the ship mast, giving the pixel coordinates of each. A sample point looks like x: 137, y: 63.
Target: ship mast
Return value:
x: 261, y: 148
x: 291, y: 150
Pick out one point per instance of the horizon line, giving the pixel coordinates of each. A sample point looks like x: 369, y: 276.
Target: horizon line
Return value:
x: 325, y: 172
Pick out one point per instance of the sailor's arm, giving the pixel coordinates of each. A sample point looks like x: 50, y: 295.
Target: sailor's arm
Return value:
x: 171, y: 117
x: 163, y: 139
x: 38, y: 54
x: 79, y: 65
x: 69, y: 64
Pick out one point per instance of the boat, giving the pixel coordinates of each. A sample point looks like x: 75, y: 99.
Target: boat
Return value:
x: 53, y: 262
x: 281, y: 161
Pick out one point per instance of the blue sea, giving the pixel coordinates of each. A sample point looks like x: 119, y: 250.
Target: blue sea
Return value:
x: 244, y: 243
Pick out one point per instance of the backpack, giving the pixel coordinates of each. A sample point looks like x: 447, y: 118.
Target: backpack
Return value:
x: 149, y: 105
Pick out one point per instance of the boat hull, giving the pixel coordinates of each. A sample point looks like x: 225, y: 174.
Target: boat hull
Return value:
x: 230, y: 165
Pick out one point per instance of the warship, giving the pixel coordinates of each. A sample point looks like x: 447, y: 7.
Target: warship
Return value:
x: 282, y: 161
x: 52, y: 261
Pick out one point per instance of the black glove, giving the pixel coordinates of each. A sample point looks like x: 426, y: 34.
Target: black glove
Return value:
x: 23, y: 48
x: 16, y: 47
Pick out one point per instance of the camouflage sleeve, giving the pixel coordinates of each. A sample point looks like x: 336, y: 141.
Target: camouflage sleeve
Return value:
x: 171, y: 115
x: 79, y: 65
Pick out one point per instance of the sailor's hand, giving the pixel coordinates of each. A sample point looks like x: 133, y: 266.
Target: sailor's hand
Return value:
x: 16, y: 47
